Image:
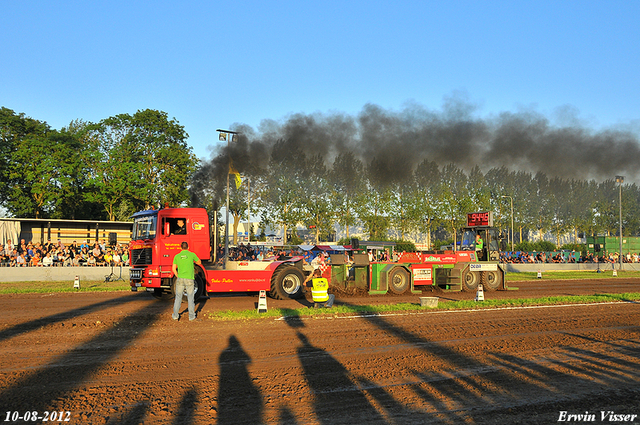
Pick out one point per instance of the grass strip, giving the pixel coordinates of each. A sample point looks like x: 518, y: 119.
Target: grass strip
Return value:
x: 39, y: 287
x: 570, y: 274
x: 444, y: 305
x: 64, y: 286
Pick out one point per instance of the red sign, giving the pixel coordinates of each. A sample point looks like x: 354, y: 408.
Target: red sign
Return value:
x: 480, y: 219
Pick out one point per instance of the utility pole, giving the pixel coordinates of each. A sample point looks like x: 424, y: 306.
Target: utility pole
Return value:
x: 248, y: 209
x: 227, y: 135
x: 620, y: 180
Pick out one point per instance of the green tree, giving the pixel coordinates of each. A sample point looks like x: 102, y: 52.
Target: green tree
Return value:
x: 606, y: 209
x: 630, y: 210
x: 73, y: 202
x: 347, y: 180
x: 372, y: 208
x: 580, y: 207
x: 166, y: 162
x: 499, y: 183
x: 14, y: 128
x: 539, y: 213
x: 34, y: 187
x: 142, y: 158
x: 374, y: 204
x: 478, y: 191
x: 454, y: 199
x: 317, y: 213
x: 281, y: 198
x: 44, y: 174
x: 559, y: 201
x: 237, y: 206
x: 522, y: 193
x: 111, y: 162
x: 424, y: 202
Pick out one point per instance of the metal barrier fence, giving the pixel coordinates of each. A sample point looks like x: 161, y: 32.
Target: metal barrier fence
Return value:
x: 548, y: 267
x: 56, y: 274
x: 56, y: 265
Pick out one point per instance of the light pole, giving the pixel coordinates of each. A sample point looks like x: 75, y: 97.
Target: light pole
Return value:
x: 511, y: 199
x: 224, y: 136
x: 620, y: 180
x: 248, y: 209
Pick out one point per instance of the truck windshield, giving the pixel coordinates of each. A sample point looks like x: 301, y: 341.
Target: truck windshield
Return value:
x: 468, y: 240
x: 144, y: 227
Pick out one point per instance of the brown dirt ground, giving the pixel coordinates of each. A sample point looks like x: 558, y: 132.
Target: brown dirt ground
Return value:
x: 119, y: 358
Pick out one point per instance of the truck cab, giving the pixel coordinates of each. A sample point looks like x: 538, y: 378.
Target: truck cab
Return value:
x: 491, y: 238
x: 156, y: 239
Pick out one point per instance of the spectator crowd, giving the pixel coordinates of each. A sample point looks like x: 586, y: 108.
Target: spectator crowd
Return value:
x: 248, y: 252
x: 523, y: 257
x: 49, y: 254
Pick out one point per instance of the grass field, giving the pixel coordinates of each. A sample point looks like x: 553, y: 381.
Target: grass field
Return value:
x: 416, y: 307
x: 49, y: 287
x: 101, y: 286
x: 588, y: 274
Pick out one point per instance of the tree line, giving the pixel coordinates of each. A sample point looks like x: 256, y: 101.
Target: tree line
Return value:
x: 99, y: 171
x: 110, y: 169
x: 290, y: 188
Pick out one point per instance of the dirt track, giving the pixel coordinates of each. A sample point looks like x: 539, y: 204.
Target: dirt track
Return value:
x: 119, y: 358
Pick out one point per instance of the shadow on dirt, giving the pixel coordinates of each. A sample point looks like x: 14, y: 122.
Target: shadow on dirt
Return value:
x: 462, y: 383
x: 186, y: 407
x: 134, y: 416
x: 60, y: 317
x: 292, y: 318
x: 463, y: 388
x: 56, y: 381
x: 332, y: 389
x: 239, y: 400
x: 59, y: 377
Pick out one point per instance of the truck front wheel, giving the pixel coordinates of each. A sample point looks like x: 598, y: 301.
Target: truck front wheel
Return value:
x: 198, y: 288
x: 399, y: 281
x: 492, y: 280
x: 470, y: 281
x: 287, y: 283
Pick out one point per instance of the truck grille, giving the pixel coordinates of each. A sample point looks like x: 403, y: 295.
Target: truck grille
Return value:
x: 141, y: 257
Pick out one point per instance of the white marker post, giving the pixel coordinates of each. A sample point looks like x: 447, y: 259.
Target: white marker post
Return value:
x: 262, y: 302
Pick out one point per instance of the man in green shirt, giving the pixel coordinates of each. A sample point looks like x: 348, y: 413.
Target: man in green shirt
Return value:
x: 183, y: 269
x: 479, y: 247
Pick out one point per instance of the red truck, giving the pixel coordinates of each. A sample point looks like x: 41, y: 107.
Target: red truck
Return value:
x: 158, y: 234
x: 156, y: 239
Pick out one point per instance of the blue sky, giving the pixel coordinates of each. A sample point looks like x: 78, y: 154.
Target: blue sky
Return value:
x: 211, y: 64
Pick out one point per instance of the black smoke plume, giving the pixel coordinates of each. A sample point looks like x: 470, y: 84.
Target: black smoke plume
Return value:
x: 394, y: 143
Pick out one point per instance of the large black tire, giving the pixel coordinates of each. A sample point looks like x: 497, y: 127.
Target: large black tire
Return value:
x: 492, y: 280
x: 198, y: 288
x: 399, y: 281
x: 470, y: 280
x: 286, y: 283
